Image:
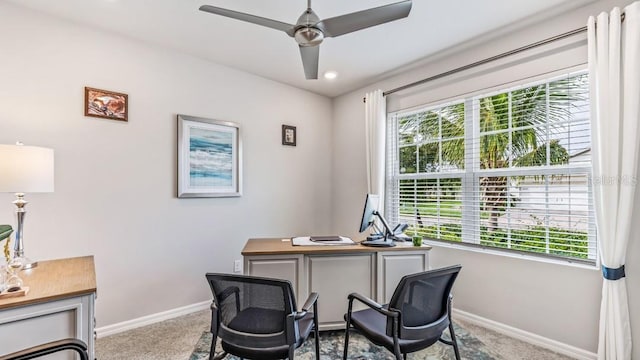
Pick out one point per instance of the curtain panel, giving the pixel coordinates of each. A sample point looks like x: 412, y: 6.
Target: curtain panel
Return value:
x: 375, y: 133
x: 614, y: 70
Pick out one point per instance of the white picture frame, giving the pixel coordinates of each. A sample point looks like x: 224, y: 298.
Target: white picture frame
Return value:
x: 209, y: 158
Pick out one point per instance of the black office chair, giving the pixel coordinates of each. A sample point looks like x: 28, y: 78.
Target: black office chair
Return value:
x: 256, y: 318
x: 49, y: 348
x: 417, y: 315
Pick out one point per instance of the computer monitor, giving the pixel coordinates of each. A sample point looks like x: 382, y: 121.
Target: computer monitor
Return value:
x: 369, y: 215
x: 370, y: 208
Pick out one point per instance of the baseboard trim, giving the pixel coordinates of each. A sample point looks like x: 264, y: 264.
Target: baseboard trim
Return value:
x: 151, y: 319
x: 531, y: 338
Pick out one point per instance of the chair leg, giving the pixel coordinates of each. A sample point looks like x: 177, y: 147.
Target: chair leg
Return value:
x: 396, y: 341
x: 397, y: 353
x: 346, y: 338
x: 453, y: 340
x: 316, y: 329
x: 404, y: 356
x: 212, y: 352
x: 291, y: 352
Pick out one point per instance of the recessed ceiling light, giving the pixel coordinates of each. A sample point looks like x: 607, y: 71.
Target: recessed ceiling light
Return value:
x: 330, y: 75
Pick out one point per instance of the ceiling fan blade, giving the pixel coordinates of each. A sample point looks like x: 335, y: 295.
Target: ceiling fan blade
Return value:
x: 310, y: 55
x: 345, y: 24
x: 274, y: 24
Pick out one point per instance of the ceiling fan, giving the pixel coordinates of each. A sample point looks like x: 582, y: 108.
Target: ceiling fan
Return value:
x: 309, y: 30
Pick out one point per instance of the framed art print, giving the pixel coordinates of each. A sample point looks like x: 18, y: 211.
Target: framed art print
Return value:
x: 289, y: 135
x: 209, y: 158
x: 106, y: 104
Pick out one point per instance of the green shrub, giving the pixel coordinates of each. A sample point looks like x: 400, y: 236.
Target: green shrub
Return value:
x: 561, y: 241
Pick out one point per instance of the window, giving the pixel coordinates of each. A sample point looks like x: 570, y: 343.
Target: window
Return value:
x: 508, y: 169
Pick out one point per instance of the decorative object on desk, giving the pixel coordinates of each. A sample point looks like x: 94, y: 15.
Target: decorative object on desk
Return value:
x: 5, y: 233
x: 14, y: 292
x: 10, y: 281
x: 289, y: 135
x: 209, y: 158
x: 24, y: 169
x: 417, y: 240
x: 11, y: 285
x: 106, y: 104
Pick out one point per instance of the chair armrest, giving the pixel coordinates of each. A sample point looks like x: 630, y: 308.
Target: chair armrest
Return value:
x: 372, y: 304
x: 311, y: 301
x: 49, y: 348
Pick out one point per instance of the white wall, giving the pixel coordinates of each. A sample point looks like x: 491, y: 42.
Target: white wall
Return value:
x: 559, y: 302
x: 115, y: 182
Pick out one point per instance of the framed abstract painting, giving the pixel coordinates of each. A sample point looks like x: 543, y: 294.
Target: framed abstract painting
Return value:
x: 209, y: 158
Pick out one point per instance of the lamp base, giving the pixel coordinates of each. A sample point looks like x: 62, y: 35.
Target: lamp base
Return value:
x: 22, y: 263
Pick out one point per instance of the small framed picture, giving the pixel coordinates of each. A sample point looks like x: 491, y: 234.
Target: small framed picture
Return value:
x: 288, y: 135
x: 106, y: 104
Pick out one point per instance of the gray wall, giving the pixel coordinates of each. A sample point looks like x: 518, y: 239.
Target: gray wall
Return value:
x: 115, y: 182
x: 556, y: 301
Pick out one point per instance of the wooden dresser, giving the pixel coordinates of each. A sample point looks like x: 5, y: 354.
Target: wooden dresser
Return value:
x: 60, y: 304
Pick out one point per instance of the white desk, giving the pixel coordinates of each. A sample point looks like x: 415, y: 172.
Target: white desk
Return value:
x: 334, y: 271
x: 59, y: 305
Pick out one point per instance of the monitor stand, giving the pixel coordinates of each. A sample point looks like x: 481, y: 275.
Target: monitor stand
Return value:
x: 378, y: 243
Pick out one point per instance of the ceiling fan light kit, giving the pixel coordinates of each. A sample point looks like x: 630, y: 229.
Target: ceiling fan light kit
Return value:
x: 308, y: 36
x: 309, y: 31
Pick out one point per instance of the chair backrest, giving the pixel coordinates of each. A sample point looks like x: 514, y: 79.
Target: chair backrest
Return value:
x: 252, y: 306
x: 423, y: 301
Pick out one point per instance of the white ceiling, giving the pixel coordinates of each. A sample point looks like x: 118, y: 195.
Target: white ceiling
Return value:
x: 359, y: 58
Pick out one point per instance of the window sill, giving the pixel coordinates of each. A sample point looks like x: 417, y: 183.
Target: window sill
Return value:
x: 583, y: 264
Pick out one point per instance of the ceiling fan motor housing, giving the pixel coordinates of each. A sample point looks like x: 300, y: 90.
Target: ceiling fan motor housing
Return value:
x: 308, y: 36
x: 306, y: 33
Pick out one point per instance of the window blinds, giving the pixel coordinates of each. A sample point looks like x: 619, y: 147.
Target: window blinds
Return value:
x: 508, y: 169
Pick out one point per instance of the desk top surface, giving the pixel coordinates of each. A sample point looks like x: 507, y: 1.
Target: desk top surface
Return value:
x: 54, y: 280
x: 271, y: 246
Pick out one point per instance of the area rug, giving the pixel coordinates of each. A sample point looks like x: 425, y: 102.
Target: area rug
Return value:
x: 332, y: 345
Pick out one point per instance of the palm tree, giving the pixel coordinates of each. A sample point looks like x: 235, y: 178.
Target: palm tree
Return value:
x: 516, y: 130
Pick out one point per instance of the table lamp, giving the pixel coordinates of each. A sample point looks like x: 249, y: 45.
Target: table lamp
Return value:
x: 24, y: 169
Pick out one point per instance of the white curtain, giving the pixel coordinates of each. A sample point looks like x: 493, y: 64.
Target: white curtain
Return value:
x: 614, y: 70
x: 375, y: 128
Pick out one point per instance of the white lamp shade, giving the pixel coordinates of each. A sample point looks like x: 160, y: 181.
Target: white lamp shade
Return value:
x: 26, y: 169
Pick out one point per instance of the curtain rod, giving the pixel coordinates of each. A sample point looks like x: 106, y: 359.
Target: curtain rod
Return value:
x: 490, y: 59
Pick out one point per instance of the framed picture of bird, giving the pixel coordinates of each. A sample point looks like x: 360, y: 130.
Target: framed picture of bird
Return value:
x: 106, y: 104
